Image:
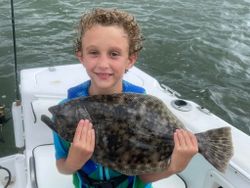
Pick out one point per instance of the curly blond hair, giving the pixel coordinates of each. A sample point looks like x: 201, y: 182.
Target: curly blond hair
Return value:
x: 109, y: 17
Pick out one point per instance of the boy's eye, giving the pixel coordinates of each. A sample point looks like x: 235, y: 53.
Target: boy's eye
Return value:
x: 114, y: 54
x: 93, y: 52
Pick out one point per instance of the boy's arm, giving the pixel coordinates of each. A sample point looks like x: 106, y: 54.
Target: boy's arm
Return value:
x: 81, y: 149
x: 185, y: 148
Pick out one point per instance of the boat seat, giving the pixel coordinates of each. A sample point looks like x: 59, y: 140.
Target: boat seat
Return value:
x: 174, y: 181
x: 45, y: 175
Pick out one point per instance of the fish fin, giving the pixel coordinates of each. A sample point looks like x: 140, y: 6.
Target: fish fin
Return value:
x: 82, y: 113
x: 216, y: 146
x: 48, y: 122
x: 88, y: 115
x: 53, y: 109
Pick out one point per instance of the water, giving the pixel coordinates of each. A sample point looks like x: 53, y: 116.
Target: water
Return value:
x: 199, y: 48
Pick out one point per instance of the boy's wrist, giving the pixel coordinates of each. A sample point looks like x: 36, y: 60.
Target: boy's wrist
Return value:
x: 71, y: 166
x: 171, y: 168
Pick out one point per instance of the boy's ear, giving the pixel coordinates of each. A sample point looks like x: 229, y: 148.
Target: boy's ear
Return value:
x: 79, y: 56
x: 132, y: 59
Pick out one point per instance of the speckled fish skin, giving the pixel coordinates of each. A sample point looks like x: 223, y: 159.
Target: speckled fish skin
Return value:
x: 134, y: 132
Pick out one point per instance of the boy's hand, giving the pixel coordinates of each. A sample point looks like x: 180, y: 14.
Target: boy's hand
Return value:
x: 83, y: 145
x: 185, y: 148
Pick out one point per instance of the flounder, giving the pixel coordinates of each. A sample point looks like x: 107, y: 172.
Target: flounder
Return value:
x: 134, y: 132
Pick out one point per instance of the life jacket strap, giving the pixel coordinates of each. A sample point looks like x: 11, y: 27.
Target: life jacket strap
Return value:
x: 112, y: 183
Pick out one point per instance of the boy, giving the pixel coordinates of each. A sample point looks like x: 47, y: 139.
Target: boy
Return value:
x: 107, y: 45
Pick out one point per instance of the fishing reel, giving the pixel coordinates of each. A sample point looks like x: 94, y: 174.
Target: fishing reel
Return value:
x: 2, y: 114
x: 3, y: 121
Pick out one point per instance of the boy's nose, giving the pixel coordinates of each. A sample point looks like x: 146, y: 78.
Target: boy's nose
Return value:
x: 103, y: 61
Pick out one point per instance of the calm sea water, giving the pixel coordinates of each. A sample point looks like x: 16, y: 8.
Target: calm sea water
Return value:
x: 199, y: 48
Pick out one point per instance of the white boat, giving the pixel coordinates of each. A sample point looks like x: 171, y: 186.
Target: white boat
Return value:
x: 44, y: 87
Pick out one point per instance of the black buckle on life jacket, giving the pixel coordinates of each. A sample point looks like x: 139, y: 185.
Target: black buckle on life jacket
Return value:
x: 112, y: 183
x: 104, y: 184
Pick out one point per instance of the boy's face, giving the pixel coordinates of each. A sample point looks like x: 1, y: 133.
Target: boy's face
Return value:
x: 105, y: 55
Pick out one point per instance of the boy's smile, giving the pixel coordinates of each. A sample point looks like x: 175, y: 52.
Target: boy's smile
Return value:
x: 103, y: 75
x: 105, y: 55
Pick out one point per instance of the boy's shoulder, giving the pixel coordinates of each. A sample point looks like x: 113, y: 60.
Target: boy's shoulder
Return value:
x: 129, y: 87
x: 79, y: 90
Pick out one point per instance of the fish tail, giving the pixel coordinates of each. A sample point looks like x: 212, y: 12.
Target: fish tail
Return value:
x: 216, y: 146
x: 48, y: 122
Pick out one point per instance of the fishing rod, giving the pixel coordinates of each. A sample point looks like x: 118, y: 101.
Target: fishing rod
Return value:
x: 3, y: 119
x: 14, y: 48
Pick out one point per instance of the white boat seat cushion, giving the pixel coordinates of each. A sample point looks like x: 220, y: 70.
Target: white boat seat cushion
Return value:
x: 173, y: 181
x: 47, y: 176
